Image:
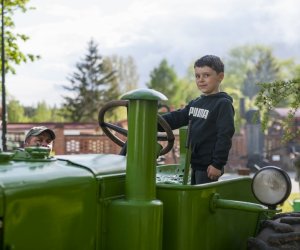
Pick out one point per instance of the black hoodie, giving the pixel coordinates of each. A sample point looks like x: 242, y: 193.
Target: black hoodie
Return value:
x: 212, y: 127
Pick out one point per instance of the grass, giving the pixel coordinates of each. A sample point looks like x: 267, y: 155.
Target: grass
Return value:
x: 287, y: 205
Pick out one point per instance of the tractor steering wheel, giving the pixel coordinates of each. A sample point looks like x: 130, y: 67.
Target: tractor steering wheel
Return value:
x: 107, y: 127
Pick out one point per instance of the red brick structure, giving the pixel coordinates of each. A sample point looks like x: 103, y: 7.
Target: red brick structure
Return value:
x: 88, y: 138
x: 238, y: 153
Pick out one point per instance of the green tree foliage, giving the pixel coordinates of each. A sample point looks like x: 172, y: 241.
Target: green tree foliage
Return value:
x: 127, y: 76
x: 15, y: 112
x: 265, y: 69
x: 56, y: 114
x: 113, y: 93
x: 186, y: 89
x: 42, y: 113
x: 13, y: 55
x: 92, y: 84
x: 29, y: 111
x: 272, y: 94
x: 163, y: 79
x: 185, y: 92
x: 250, y: 64
x: 240, y: 61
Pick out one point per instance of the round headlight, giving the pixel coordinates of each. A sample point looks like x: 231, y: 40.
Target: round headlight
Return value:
x: 271, y: 186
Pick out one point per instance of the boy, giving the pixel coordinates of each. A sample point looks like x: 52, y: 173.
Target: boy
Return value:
x: 39, y: 136
x: 211, y: 119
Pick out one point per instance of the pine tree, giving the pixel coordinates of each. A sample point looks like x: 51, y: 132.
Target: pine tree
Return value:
x: 92, y: 84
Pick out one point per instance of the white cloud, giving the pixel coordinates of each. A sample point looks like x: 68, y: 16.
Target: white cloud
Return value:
x: 147, y: 30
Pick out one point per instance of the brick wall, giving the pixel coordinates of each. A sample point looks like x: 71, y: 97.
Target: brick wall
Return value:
x: 101, y: 144
x: 90, y: 139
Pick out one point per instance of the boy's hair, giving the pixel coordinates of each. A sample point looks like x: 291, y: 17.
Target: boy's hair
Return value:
x: 211, y: 61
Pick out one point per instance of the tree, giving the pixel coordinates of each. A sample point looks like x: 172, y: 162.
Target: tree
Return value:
x: 42, y: 113
x: 185, y: 92
x: 113, y: 93
x: 185, y: 89
x: 15, y: 111
x: 265, y: 69
x: 13, y: 55
x: 29, y: 111
x: 10, y: 53
x: 272, y: 94
x: 241, y: 60
x: 56, y: 114
x: 163, y: 79
x: 127, y: 76
x: 92, y: 84
x: 250, y: 64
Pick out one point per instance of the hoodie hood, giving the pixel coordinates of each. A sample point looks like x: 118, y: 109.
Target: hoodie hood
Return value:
x: 219, y: 95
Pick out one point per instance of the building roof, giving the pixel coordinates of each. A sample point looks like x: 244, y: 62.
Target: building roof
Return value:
x: 83, y: 127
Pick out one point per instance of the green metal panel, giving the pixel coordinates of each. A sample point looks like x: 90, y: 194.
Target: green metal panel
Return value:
x: 134, y: 225
x: 190, y: 224
x: 141, y: 158
x: 109, y: 170
x: 99, y: 164
x: 1, y: 203
x: 182, y: 147
x: 48, y: 206
x: 85, y: 202
x: 111, y: 187
x: 135, y: 222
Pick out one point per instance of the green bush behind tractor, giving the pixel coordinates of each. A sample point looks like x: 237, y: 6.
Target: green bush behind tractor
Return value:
x: 127, y: 202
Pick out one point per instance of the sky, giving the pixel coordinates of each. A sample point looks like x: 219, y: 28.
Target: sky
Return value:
x: 149, y: 31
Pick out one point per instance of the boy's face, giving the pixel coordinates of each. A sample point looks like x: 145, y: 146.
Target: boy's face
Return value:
x: 208, y: 80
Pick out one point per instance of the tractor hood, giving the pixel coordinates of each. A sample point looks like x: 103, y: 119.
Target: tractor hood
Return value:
x: 98, y: 164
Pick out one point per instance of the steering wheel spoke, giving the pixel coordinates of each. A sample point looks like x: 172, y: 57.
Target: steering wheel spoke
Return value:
x: 116, y: 128
x: 109, y: 127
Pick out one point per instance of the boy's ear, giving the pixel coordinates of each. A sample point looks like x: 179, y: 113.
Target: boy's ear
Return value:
x: 221, y: 76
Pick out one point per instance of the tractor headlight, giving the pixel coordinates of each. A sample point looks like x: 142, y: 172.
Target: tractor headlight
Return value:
x: 271, y: 186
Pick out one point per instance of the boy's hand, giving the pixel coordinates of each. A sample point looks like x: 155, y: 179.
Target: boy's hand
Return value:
x: 213, y: 173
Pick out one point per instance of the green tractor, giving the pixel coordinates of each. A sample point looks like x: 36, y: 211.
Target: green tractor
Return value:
x: 127, y: 202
